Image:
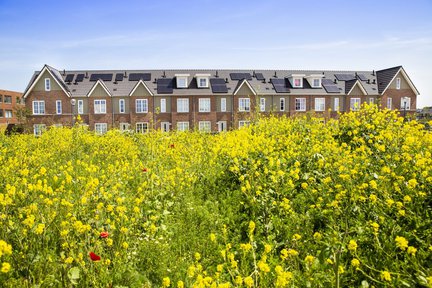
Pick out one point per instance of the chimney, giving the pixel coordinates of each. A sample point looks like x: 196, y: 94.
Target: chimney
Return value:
x: 253, y: 74
x: 373, y: 72
x: 226, y: 80
x: 368, y: 81
x: 125, y: 75
x: 86, y: 75
x: 64, y: 72
x: 155, y: 81
x: 373, y: 82
x: 275, y: 75
x: 164, y: 75
x: 335, y: 81
x: 264, y: 80
x: 217, y: 74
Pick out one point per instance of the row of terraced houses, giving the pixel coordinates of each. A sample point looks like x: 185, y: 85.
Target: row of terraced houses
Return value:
x: 207, y: 100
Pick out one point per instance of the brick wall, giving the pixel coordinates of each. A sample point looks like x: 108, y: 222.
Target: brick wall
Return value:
x: 6, y: 107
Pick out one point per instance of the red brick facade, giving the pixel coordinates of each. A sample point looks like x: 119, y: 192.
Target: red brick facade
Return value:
x: 9, y: 107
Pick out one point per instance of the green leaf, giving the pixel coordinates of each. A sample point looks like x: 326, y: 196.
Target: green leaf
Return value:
x: 74, y: 275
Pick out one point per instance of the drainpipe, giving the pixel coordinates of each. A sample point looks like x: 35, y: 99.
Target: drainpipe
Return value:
x: 112, y: 112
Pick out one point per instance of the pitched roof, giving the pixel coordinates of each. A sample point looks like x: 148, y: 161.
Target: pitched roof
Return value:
x: 350, y: 84
x: 385, y: 77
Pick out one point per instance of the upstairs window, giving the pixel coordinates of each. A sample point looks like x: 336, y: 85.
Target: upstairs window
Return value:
x: 202, y: 83
x: 223, y: 105
x: 183, y: 105
x: 182, y: 80
x: 38, y: 107
x: 262, y: 104
x: 244, y: 104
x: 122, y: 106
x: 1, y: 98
x: 163, y: 105
x: 204, y: 105
x: 58, y: 107
x: 8, y: 114
x: 298, y: 82
x: 47, y: 84
x: 99, y: 106
x: 398, y: 83
x: 8, y: 99
x: 80, y: 106
x: 316, y: 83
x: 141, y: 105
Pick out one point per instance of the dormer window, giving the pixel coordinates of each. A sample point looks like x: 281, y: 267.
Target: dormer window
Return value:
x: 182, y: 80
x: 315, y: 80
x: 296, y: 80
x: 202, y: 80
x: 316, y: 83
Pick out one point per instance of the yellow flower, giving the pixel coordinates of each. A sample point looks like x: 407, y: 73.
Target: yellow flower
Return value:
x: 317, y: 235
x: 352, y: 245
x: 264, y: 267
x: 239, y: 280
x: 5, y: 267
x: 329, y: 261
x: 109, y: 242
x: 69, y: 260
x: 166, y: 282
x: 309, y: 259
x: 296, y: 237
x: 191, y: 271
x: 40, y: 229
x: 212, y: 237
x: 412, y: 250
x: 197, y: 256
x: 355, y: 263
x: 251, y: 227
x: 385, y: 275
x: 248, y: 281
x: 401, y: 242
x: 125, y: 245
x: 267, y: 248
x: 180, y: 284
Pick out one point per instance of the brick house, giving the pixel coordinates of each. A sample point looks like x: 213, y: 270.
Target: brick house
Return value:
x: 9, y: 105
x: 208, y: 100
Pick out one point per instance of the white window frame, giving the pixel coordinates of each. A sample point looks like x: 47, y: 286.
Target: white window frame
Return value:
x: 182, y: 105
x: 319, y: 104
x: 100, y: 106
x: 316, y: 84
x: 163, y: 105
x: 222, y: 126
x: 300, y: 104
x: 389, y: 103
x: 223, y: 104
x: 142, y: 127
x: 297, y: 85
x: 165, y: 126
x: 9, y: 99
x: 282, y: 103
x: 355, y: 104
x: 122, y: 106
x: 336, y: 104
x: 244, y: 104
x: 244, y: 123
x: 141, y: 105
x: 124, y: 126
x: 8, y: 114
x: 38, y: 129
x: 47, y: 84
x: 204, y: 126
x: 38, y: 107
x: 202, y: 85
x: 182, y: 81
x: 262, y: 104
x: 408, y: 106
x: 398, y: 83
x: 59, y: 108
x: 204, y: 105
x: 371, y: 100
x: 101, y: 128
x: 80, y: 107
x: 183, y: 126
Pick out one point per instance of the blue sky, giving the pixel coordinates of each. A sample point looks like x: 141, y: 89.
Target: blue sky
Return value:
x: 332, y: 34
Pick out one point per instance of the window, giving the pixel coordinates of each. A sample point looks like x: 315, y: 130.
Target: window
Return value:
x: 316, y: 82
x: 371, y: 100
x: 1, y: 98
x: 182, y: 126
x: 262, y: 104
x: 80, y: 106
x: 319, y: 104
x: 183, y: 105
x: 1, y: 113
x: 163, y: 105
x: 204, y: 104
x: 38, y: 129
x: 165, y: 126
x: 7, y: 99
x: 124, y: 126
x: 222, y: 126
x: 389, y: 103
x: 58, y: 107
x: 336, y: 104
x: 182, y: 81
x: 101, y: 128
x: 223, y: 105
x: 122, y: 106
x: 47, y: 84
x: 142, y: 127
x: 38, y: 107
x: 300, y: 104
x: 100, y: 107
x: 8, y: 114
x: 202, y: 82
x: 406, y: 103
x: 243, y: 123
x: 204, y: 126
x: 298, y: 82
x: 355, y: 104
x: 398, y: 83
x: 282, y: 104
x: 244, y: 104
x: 141, y: 105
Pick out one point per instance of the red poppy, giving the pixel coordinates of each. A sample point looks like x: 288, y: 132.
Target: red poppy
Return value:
x: 94, y: 257
x: 103, y: 234
x: 172, y: 146
x: 144, y: 169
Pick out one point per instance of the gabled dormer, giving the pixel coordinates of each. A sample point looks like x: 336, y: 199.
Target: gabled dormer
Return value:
x: 99, y: 89
x: 296, y: 80
x: 315, y: 80
x: 48, y: 79
x: 202, y: 80
x: 182, y: 80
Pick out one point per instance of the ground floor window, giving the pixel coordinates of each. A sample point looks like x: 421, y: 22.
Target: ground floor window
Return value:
x: 124, y: 126
x: 204, y: 126
x: 222, y: 126
x: 355, y: 104
x: 243, y: 123
x: 182, y: 126
x: 165, y: 126
x: 101, y: 128
x: 142, y: 127
x: 300, y: 104
x: 38, y: 129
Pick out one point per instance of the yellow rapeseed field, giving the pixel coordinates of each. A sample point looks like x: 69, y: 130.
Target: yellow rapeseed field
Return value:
x: 286, y: 202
